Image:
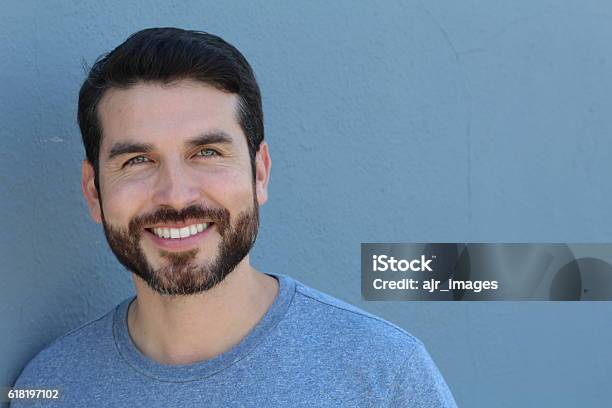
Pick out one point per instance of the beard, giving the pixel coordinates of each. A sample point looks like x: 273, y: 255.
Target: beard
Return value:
x: 182, y: 275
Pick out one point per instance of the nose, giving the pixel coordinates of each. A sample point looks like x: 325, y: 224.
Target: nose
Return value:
x: 176, y: 186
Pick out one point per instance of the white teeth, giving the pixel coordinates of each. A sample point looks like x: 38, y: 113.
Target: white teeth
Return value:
x: 184, y: 232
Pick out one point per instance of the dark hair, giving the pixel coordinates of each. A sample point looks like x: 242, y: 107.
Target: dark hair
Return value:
x: 166, y: 55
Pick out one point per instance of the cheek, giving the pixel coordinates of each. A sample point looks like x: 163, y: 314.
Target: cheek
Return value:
x: 234, y: 191
x: 122, y: 200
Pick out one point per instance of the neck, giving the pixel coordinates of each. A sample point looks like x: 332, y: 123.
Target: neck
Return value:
x: 187, y: 329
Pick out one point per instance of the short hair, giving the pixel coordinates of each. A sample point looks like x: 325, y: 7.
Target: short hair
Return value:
x: 166, y: 55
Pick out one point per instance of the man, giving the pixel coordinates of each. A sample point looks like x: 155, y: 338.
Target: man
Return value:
x: 176, y: 169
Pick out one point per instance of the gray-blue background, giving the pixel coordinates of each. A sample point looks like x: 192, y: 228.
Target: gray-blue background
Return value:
x: 439, y: 121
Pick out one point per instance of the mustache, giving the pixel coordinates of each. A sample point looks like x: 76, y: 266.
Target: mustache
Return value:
x: 219, y: 216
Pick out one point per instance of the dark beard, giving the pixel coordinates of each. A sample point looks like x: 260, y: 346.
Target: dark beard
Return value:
x: 182, y: 276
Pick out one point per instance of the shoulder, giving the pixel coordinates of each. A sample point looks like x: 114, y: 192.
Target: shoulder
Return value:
x: 64, y: 356
x: 382, y: 358
x: 345, y: 325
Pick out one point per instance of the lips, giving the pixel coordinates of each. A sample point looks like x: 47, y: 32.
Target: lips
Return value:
x: 179, y: 232
x: 180, y: 243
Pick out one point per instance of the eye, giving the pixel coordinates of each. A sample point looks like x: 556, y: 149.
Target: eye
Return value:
x: 136, y: 160
x: 207, y: 153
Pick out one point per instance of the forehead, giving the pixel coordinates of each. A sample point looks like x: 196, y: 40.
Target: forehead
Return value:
x: 156, y: 113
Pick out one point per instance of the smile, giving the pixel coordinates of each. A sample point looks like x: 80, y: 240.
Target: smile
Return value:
x: 179, y: 233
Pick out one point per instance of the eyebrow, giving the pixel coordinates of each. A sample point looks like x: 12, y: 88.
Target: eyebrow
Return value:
x: 121, y: 148
x: 215, y: 137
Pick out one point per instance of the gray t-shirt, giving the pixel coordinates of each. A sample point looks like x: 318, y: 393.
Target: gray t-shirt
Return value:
x: 309, y: 350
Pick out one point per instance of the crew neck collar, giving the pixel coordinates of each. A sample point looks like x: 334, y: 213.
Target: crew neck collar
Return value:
x: 206, y: 368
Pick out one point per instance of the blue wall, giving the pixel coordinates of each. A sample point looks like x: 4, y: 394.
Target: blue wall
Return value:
x: 391, y: 122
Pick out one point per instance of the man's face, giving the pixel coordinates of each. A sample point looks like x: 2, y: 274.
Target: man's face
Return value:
x: 177, y: 199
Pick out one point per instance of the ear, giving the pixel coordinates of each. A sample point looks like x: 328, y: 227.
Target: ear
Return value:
x: 263, y: 164
x: 89, y: 191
